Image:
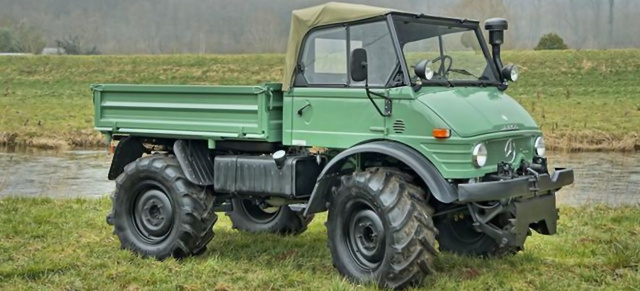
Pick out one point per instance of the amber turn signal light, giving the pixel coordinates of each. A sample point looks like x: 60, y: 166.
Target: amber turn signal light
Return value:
x: 441, y: 133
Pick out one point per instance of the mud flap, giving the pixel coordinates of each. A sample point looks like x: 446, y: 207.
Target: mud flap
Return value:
x: 540, y: 213
x: 195, y: 160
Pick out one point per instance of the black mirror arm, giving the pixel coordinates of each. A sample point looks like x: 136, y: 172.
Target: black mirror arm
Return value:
x: 387, y: 100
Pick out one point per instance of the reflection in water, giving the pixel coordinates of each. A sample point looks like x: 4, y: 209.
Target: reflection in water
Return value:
x: 611, y: 178
x: 607, y: 178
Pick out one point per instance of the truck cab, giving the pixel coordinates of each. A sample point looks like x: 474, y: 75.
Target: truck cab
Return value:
x: 396, y: 123
x: 462, y: 96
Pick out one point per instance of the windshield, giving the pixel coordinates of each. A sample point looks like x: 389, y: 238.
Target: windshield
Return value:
x: 456, y: 53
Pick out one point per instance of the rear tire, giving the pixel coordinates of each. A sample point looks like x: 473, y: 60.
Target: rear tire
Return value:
x: 249, y: 217
x: 158, y: 213
x: 380, y: 229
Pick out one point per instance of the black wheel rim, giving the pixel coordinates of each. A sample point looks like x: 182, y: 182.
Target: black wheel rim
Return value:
x: 152, y: 213
x: 461, y: 225
x: 257, y: 214
x: 364, y: 235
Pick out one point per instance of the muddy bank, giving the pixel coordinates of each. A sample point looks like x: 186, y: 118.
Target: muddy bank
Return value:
x: 70, y: 140
x: 592, y: 141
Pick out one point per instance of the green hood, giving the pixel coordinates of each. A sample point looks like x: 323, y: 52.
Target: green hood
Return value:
x: 471, y: 111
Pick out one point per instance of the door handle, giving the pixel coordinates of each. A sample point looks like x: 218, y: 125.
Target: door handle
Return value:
x: 378, y: 129
x: 303, y: 108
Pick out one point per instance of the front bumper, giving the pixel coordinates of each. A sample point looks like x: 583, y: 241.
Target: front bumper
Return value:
x: 517, y: 187
x: 529, y: 200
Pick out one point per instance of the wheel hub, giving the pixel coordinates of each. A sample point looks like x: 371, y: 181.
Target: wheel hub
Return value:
x: 366, y: 238
x: 153, y: 215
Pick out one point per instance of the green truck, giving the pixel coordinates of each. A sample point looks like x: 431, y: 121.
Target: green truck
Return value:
x: 395, y: 123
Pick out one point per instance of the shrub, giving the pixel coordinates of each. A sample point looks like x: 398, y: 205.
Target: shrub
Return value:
x: 72, y: 45
x: 21, y: 38
x: 551, y: 41
x: 7, y: 41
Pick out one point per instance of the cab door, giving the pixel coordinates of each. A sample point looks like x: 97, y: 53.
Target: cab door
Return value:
x: 330, y: 109
x: 334, y: 117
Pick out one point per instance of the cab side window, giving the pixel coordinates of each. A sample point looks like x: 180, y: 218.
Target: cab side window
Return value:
x: 382, y: 58
x: 324, y: 59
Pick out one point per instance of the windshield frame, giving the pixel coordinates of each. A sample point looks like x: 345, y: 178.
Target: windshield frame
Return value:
x: 449, y: 22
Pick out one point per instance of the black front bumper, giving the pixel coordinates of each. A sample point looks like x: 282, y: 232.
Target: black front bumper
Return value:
x: 517, y: 187
x: 530, y: 200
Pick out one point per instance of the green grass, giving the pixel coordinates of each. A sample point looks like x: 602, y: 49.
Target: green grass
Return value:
x: 66, y: 244
x: 584, y: 100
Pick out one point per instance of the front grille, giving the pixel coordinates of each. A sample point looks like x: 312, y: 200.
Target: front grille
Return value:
x: 523, y: 145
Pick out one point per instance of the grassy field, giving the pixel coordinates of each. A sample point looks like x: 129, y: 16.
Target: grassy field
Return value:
x: 584, y: 100
x: 66, y: 245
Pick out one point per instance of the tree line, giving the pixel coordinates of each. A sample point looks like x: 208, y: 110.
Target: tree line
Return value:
x: 258, y: 26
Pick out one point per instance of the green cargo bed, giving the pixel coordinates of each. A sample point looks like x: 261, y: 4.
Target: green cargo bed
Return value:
x: 196, y: 112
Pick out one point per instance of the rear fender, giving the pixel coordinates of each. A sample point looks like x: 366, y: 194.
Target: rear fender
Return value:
x: 441, y: 190
x: 128, y: 150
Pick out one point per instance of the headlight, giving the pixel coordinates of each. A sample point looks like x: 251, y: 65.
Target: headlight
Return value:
x: 479, y: 155
x: 539, y: 146
x: 423, y: 71
x: 510, y: 72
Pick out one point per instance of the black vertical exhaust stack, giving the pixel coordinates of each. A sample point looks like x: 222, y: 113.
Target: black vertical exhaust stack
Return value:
x: 496, y: 28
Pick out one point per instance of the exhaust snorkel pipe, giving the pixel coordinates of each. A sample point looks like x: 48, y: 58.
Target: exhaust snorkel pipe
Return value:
x: 496, y: 28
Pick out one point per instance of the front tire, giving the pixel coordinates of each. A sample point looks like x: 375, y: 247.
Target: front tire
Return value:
x: 380, y: 229
x: 158, y: 213
x: 250, y: 217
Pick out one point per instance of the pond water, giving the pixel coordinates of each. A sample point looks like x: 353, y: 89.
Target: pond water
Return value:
x: 609, y: 178
x: 78, y: 173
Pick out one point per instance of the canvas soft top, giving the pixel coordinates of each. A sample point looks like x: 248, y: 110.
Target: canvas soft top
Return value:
x: 304, y: 20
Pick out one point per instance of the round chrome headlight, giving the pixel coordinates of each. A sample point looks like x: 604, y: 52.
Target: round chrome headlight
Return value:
x: 479, y: 154
x: 538, y: 144
x: 514, y: 74
x: 510, y: 72
x: 428, y: 73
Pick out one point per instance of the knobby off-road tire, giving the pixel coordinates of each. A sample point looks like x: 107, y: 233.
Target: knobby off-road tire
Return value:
x: 457, y: 235
x: 158, y: 213
x: 249, y: 217
x: 380, y: 229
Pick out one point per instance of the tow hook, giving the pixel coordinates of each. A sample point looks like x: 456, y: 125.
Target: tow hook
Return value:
x: 533, y: 172
x: 534, y: 179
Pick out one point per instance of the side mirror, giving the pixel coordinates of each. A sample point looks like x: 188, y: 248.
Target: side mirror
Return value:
x: 358, y: 65
x: 423, y: 71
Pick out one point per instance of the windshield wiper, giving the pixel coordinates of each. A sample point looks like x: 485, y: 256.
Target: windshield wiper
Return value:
x: 467, y: 73
x: 448, y: 82
x: 464, y: 72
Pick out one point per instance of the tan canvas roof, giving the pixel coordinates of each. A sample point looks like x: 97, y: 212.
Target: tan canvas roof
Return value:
x: 330, y: 13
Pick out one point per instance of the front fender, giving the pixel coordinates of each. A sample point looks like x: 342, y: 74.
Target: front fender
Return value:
x: 442, y: 190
